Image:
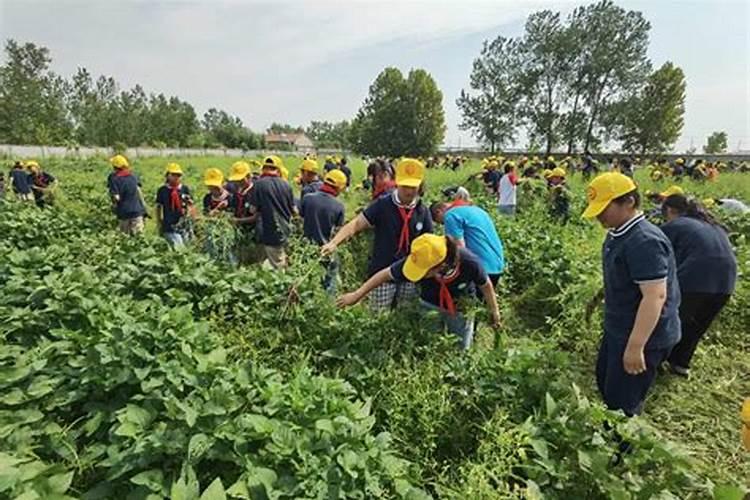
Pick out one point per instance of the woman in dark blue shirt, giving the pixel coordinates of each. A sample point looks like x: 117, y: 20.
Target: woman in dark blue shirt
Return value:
x: 706, y: 269
x: 641, y: 294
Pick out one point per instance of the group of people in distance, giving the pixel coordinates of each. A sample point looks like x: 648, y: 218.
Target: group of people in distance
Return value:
x: 662, y: 286
x: 28, y: 182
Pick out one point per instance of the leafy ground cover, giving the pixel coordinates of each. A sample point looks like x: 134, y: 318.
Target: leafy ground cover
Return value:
x: 131, y: 371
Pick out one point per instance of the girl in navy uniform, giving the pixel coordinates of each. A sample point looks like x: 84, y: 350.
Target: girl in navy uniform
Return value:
x: 42, y: 184
x: 706, y: 269
x: 641, y: 294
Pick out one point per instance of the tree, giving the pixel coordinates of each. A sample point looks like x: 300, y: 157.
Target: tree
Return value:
x: 400, y: 116
x: 32, y: 98
x: 329, y: 134
x: 220, y: 128
x: 490, y: 111
x: 716, y: 143
x: 652, y: 120
x: 284, y: 128
x: 548, y: 54
x: 613, y: 58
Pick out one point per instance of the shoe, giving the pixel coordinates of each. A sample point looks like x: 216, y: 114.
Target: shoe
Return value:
x: 679, y: 370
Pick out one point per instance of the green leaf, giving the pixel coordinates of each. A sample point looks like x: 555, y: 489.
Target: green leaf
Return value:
x: 727, y: 492
x: 215, y: 491
x: 152, y: 479
x: 198, y: 446
x: 239, y: 489
x: 59, y: 483
x: 550, y: 405
x: 324, y: 424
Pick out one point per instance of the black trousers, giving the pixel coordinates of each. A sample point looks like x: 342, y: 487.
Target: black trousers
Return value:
x: 697, y: 312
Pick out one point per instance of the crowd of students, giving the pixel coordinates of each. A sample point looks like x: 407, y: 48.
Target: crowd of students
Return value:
x: 662, y: 286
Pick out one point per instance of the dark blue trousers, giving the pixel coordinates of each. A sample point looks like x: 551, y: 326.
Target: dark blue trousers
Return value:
x: 620, y: 390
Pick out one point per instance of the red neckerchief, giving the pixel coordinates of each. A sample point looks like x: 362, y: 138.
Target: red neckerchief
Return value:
x: 403, y: 240
x: 327, y: 188
x: 274, y: 173
x: 458, y: 203
x: 445, y: 298
x: 40, y: 180
x: 239, y: 207
x: 175, y: 196
x: 382, y: 188
x: 122, y: 172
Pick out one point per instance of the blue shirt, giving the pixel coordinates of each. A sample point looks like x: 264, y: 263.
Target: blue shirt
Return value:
x: 470, y: 276
x: 473, y: 225
x: 635, y: 253
x: 129, y: 204
x: 705, y: 261
x: 272, y: 197
x: 384, y: 216
x: 321, y: 214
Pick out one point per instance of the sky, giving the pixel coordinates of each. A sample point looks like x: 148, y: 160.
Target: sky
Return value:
x: 296, y: 61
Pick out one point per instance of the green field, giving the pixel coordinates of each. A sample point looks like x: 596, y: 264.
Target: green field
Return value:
x: 133, y: 371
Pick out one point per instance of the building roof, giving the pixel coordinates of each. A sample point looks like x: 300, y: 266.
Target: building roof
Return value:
x: 285, y: 138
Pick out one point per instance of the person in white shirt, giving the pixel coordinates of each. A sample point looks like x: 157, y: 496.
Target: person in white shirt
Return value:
x: 732, y: 205
x: 507, y: 199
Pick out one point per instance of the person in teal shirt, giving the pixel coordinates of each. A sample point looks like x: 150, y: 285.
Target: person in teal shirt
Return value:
x: 472, y: 227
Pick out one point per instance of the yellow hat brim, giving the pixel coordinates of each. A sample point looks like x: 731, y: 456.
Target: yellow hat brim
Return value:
x: 212, y: 183
x: 409, y: 182
x: 412, y: 271
x: 595, y: 208
x: 236, y: 177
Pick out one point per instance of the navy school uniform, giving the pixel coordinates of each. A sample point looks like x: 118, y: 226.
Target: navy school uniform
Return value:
x: 470, y: 276
x: 21, y: 181
x: 43, y: 180
x: 321, y: 213
x: 635, y: 253
x: 273, y: 198
x: 211, y: 203
x: 129, y: 205
x: 171, y: 214
x: 386, y: 216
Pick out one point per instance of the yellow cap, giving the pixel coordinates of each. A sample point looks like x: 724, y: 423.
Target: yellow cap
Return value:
x: 557, y: 172
x: 30, y: 164
x: 273, y: 161
x: 546, y: 173
x: 336, y: 178
x: 240, y: 170
x: 284, y: 173
x: 671, y: 190
x: 409, y: 172
x: 745, y: 414
x: 550, y: 158
x: 708, y: 202
x: 680, y: 161
x: 493, y: 164
x: 310, y: 166
x: 173, y: 168
x: 119, y: 161
x: 427, y: 251
x: 604, y: 189
x: 213, y: 177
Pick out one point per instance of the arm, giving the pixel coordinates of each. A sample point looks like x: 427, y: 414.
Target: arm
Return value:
x: 649, y: 310
x: 356, y: 225
x: 159, y: 218
x: 377, y: 279
x: 488, y: 292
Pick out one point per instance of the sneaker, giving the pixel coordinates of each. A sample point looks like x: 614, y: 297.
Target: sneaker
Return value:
x: 679, y: 370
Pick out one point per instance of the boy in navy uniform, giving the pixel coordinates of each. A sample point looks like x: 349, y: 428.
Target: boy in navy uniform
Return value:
x: 272, y: 199
x: 42, y: 183
x: 309, y: 180
x: 127, y: 199
x: 322, y: 213
x: 641, y: 294
x: 174, y: 204
x: 397, y: 219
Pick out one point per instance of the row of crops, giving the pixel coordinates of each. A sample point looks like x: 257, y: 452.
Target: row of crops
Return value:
x: 131, y: 371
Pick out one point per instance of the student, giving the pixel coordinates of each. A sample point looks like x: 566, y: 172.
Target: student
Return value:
x: 507, y: 190
x: 444, y: 273
x: 381, y: 178
x: 174, y: 208
x: 706, y: 270
x: 309, y: 180
x: 641, y: 294
x: 273, y: 201
x: 42, y: 183
x: 322, y: 214
x: 491, y: 178
x: 472, y: 227
x: 20, y: 182
x: 397, y: 219
x: 218, y: 200
x: 127, y: 198
x: 559, y: 194
x: 240, y: 186
x: 2, y: 185
x: 344, y: 167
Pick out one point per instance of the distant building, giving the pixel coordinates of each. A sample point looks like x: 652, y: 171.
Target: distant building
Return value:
x: 295, y: 142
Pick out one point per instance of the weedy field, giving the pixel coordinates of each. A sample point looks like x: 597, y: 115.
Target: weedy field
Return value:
x: 128, y: 370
